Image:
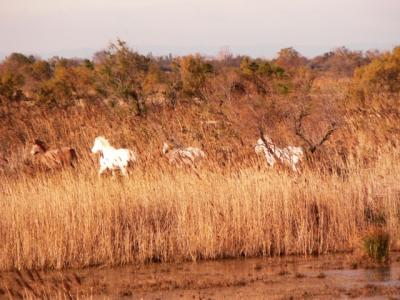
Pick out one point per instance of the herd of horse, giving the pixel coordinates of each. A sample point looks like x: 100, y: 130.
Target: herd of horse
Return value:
x: 121, y: 159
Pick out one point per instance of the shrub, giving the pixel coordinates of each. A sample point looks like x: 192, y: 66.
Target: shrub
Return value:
x: 382, y: 75
x: 376, y: 245
x: 194, y: 72
x: 11, y: 87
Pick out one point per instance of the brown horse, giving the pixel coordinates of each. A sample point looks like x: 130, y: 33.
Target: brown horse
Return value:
x: 53, y: 158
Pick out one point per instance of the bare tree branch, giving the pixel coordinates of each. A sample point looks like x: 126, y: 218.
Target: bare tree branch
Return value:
x: 313, y: 146
x: 298, y: 127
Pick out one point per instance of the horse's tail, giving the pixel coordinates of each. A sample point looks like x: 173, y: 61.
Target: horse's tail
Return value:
x: 132, y: 156
x: 73, y: 156
x: 202, y: 154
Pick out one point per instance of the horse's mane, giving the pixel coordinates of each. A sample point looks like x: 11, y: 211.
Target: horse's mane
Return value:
x: 103, y: 141
x: 41, y: 144
x: 175, y: 143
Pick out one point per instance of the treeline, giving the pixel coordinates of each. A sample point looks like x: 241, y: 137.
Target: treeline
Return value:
x: 120, y: 76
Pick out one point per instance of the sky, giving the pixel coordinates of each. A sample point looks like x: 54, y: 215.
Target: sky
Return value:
x: 78, y: 28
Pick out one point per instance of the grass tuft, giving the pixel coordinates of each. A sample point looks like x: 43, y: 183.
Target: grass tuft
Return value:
x: 376, y: 245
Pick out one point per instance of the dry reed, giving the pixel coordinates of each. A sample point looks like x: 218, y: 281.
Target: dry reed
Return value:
x: 72, y: 219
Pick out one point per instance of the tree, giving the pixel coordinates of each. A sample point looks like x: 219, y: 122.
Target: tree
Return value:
x: 248, y: 67
x: 194, y: 72
x: 339, y: 62
x: 121, y: 74
x: 41, y: 70
x: 11, y: 87
x: 290, y: 59
x: 381, y: 76
x: 69, y: 81
x: 265, y: 75
x: 18, y: 60
x: 13, y: 73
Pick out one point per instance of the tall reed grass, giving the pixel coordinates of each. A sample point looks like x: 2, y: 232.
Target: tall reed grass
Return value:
x: 73, y: 219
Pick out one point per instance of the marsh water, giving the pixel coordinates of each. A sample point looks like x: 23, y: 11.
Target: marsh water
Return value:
x: 324, y: 277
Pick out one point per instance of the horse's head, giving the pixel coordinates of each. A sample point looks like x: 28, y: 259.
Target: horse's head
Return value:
x: 100, y: 143
x: 165, y: 148
x: 97, y: 146
x: 260, y: 142
x: 38, y: 147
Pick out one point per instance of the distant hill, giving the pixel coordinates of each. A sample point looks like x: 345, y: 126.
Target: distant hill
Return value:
x: 66, y: 53
x: 71, y: 53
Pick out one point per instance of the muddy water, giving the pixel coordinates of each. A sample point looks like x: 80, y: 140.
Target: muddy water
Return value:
x: 331, y: 276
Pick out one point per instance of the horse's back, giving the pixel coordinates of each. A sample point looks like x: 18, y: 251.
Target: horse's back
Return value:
x: 67, y: 154
x: 297, y: 151
x: 186, y: 153
x: 180, y: 157
x: 126, y: 154
x: 122, y: 157
x: 61, y: 156
x: 196, y: 152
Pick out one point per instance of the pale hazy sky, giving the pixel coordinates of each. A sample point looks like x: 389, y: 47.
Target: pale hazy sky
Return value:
x: 254, y: 27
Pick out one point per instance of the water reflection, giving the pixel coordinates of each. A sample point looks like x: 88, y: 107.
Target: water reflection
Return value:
x: 379, y: 274
x: 385, y: 275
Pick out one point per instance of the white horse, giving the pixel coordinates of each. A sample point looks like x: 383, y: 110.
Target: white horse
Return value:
x: 183, y: 156
x: 289, y: 155
x: 111, y: 158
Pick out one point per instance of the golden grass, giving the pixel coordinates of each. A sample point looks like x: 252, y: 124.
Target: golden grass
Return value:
x: 74, y: 219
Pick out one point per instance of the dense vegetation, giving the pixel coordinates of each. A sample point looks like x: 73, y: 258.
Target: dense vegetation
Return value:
x: 229, y: 95
x: 234, y: 205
